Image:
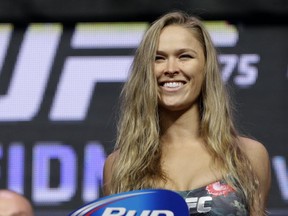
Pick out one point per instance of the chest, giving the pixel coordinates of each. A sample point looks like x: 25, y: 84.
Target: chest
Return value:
x: 189, y: 168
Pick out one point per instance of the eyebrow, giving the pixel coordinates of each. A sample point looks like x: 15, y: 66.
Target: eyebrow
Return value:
x: 178, y: 51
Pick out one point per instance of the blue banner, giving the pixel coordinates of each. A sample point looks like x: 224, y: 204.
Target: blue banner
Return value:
x: 139, y: 202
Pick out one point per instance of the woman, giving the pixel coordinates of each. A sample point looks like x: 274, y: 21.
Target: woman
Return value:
x: 176, y: 131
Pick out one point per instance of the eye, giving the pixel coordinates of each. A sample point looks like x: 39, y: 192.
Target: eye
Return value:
x: 186, y: 56
x: 159, y: 58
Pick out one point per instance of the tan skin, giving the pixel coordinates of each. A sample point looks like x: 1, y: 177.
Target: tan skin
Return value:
x: 179, y: 68
x: 13, y: 204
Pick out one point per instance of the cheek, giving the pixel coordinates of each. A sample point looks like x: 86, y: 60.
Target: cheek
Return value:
x: 157, y: 70
x: 198, y: 71
x: 200, y: 84
x: 198, y: 79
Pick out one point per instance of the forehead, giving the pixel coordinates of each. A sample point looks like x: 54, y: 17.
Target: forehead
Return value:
x: 175, y: 35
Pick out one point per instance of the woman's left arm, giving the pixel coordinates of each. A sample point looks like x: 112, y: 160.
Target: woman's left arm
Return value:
x: 259, y: 158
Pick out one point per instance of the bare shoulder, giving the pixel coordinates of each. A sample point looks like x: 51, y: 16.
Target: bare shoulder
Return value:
x: 107, y: 172
x: 259, y: 159
x: 255, y: 151
x: 110, y: 159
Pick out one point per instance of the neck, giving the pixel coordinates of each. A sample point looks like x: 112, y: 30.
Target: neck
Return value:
x: 179, y: 125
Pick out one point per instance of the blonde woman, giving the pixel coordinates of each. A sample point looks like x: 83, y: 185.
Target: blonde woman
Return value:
x: 176, y: 130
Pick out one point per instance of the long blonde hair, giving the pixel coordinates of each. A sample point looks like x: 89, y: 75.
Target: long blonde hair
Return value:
x: 138, y: 160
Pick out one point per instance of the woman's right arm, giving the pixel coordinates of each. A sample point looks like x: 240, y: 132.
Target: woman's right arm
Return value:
x: 107, y: 173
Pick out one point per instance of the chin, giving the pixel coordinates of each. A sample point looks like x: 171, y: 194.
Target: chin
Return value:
x: 173, y: 108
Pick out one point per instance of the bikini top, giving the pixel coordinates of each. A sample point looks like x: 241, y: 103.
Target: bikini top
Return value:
x: 215, y: 199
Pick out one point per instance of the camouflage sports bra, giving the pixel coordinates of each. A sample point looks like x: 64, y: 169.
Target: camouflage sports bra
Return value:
x: 215, y: 199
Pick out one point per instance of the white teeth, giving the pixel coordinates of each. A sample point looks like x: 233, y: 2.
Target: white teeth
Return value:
x: 173, y: 84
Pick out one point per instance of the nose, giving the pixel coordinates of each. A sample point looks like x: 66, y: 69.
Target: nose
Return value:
x: 172, y: 68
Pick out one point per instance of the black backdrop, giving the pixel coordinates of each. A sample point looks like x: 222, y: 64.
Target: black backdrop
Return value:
x: 114, y: 10
x: 60, y: 82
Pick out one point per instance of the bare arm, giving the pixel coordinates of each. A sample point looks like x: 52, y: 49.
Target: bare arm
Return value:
x: 107, y: 173
x: 259, y: 158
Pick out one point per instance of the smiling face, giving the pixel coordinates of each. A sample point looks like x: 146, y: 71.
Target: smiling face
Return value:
x: 179, y: 68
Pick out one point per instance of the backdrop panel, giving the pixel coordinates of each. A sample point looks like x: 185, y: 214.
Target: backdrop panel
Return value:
x: 148, y: 10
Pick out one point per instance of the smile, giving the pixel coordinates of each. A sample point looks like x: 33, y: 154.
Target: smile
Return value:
x: 173, y: 84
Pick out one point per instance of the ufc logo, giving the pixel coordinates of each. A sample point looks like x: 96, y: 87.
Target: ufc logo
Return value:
x: 199, y: 203
x: 78, y: 78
